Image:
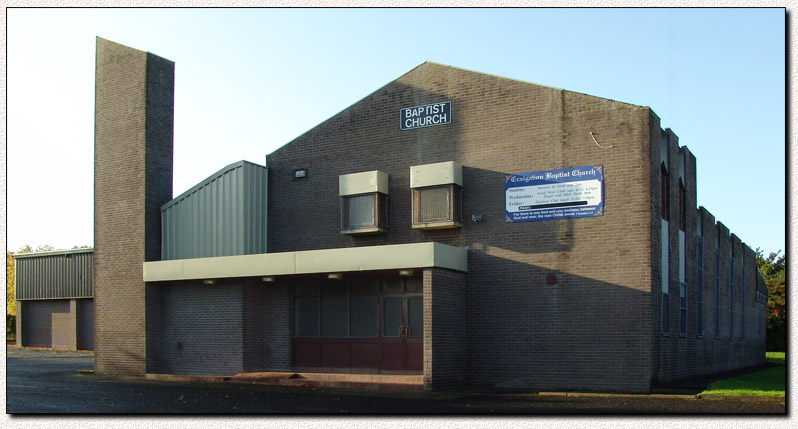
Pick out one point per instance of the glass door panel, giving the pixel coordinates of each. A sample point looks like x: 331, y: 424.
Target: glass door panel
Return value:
x: 392, y: 317
x: 415, y: 317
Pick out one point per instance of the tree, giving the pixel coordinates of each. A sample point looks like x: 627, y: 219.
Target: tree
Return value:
x: 40, y: 248
x: 11, y: 305
x: 773, y: 268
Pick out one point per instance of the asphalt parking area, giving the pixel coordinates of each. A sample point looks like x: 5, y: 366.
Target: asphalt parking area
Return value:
x: 45, y: 381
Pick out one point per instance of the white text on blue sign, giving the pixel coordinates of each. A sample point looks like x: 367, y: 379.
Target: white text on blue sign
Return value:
x: 554, y: 194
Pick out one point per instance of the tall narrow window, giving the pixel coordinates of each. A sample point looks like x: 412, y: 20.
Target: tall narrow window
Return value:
x: 437, y: 195
x: 742, y: 300
x: 665, y: 248
x: 682, y: 258
x: 717, y: 283
x: 665, y: 205
x: 682, y: 207
x: 731, y: 295
x: 700, y: 285
x: 683, y: 308
x: 364, y: 202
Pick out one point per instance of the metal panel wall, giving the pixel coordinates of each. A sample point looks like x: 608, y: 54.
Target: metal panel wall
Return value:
x: 224, y: 215
x: 65, y: 274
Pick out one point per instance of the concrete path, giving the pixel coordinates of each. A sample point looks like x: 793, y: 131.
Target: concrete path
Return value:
x: 43, y: 381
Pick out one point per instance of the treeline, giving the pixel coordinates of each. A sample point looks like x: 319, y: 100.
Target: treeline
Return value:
x: 773, y: 269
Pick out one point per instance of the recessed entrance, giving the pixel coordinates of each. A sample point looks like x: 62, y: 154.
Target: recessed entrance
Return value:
x: 402, y: 332
x: 359, y: 325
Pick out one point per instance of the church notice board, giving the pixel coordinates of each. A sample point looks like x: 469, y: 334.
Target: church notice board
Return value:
x: 554, y: 194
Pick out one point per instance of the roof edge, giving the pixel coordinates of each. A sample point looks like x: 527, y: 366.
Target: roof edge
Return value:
x: 208, y: 180
x: 53, y: 253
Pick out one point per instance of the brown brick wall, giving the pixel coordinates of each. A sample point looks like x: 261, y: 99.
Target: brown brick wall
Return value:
x: 676, y: 355
x: 133, y: 178
x: 520, y: 333
x: 597, y: 328
x: 278, y: 326
x: 444, y: 304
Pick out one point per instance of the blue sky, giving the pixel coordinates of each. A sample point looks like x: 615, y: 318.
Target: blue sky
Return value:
x: 250, y: 80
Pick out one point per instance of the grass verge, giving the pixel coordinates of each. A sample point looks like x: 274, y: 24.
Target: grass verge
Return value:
x: 768, y: 382
x: 775, y: 357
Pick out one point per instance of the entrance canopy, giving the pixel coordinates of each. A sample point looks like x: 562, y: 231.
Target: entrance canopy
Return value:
x: 369, y: 258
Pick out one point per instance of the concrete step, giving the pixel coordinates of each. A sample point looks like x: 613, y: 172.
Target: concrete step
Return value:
x: 333, y: 380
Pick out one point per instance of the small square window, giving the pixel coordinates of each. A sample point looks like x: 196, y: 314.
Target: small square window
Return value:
x: 366, y: 213
x: 436, y: 207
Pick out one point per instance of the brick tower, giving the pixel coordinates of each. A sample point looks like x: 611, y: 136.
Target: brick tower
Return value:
x: 133, y: 124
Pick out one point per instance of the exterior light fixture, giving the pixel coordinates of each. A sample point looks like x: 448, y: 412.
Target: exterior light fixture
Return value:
x: 268, y: 279
x: 334, y: 276
x: 209, y: 282
x: 301, y: 173
x: 406, y: 273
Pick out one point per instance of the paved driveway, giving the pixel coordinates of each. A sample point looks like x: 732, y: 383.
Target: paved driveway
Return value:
x: 43, y: 381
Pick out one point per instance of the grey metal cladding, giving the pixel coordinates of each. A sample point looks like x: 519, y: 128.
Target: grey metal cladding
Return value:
x: 51, y: 275
x: 224, y: 215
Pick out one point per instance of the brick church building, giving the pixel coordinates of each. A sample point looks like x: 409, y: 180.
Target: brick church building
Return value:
x: 474, y: 230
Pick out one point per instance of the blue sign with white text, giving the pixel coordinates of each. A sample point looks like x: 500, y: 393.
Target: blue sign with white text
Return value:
x: 427, y: 115
x: 554, y: 194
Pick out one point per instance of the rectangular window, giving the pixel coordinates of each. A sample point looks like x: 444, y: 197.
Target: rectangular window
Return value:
x: 364, y: 213
x: 437, y: 206
x: 306, y: 309
x: 700, y: 286
x: 363, y: 308
x: 364, y: 202
x: 337, y: 308
x: 334, y: 304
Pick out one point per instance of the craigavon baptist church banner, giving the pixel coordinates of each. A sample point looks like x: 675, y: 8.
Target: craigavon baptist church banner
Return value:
x: 554, y: 194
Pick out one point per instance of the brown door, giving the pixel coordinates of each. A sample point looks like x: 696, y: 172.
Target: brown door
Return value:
x: 401, y: 332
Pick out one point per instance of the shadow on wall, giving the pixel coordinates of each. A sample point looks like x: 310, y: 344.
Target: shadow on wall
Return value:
x: 535, y: 328
x: 487, y: 198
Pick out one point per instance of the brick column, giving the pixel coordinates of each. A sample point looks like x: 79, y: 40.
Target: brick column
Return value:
x: 444, y: 328
x: 134, y: 104
x: 19, y: 323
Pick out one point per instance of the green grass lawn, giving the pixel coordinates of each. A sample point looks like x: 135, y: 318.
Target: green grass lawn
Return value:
x: 775, y: 357
x: 769, y: 382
